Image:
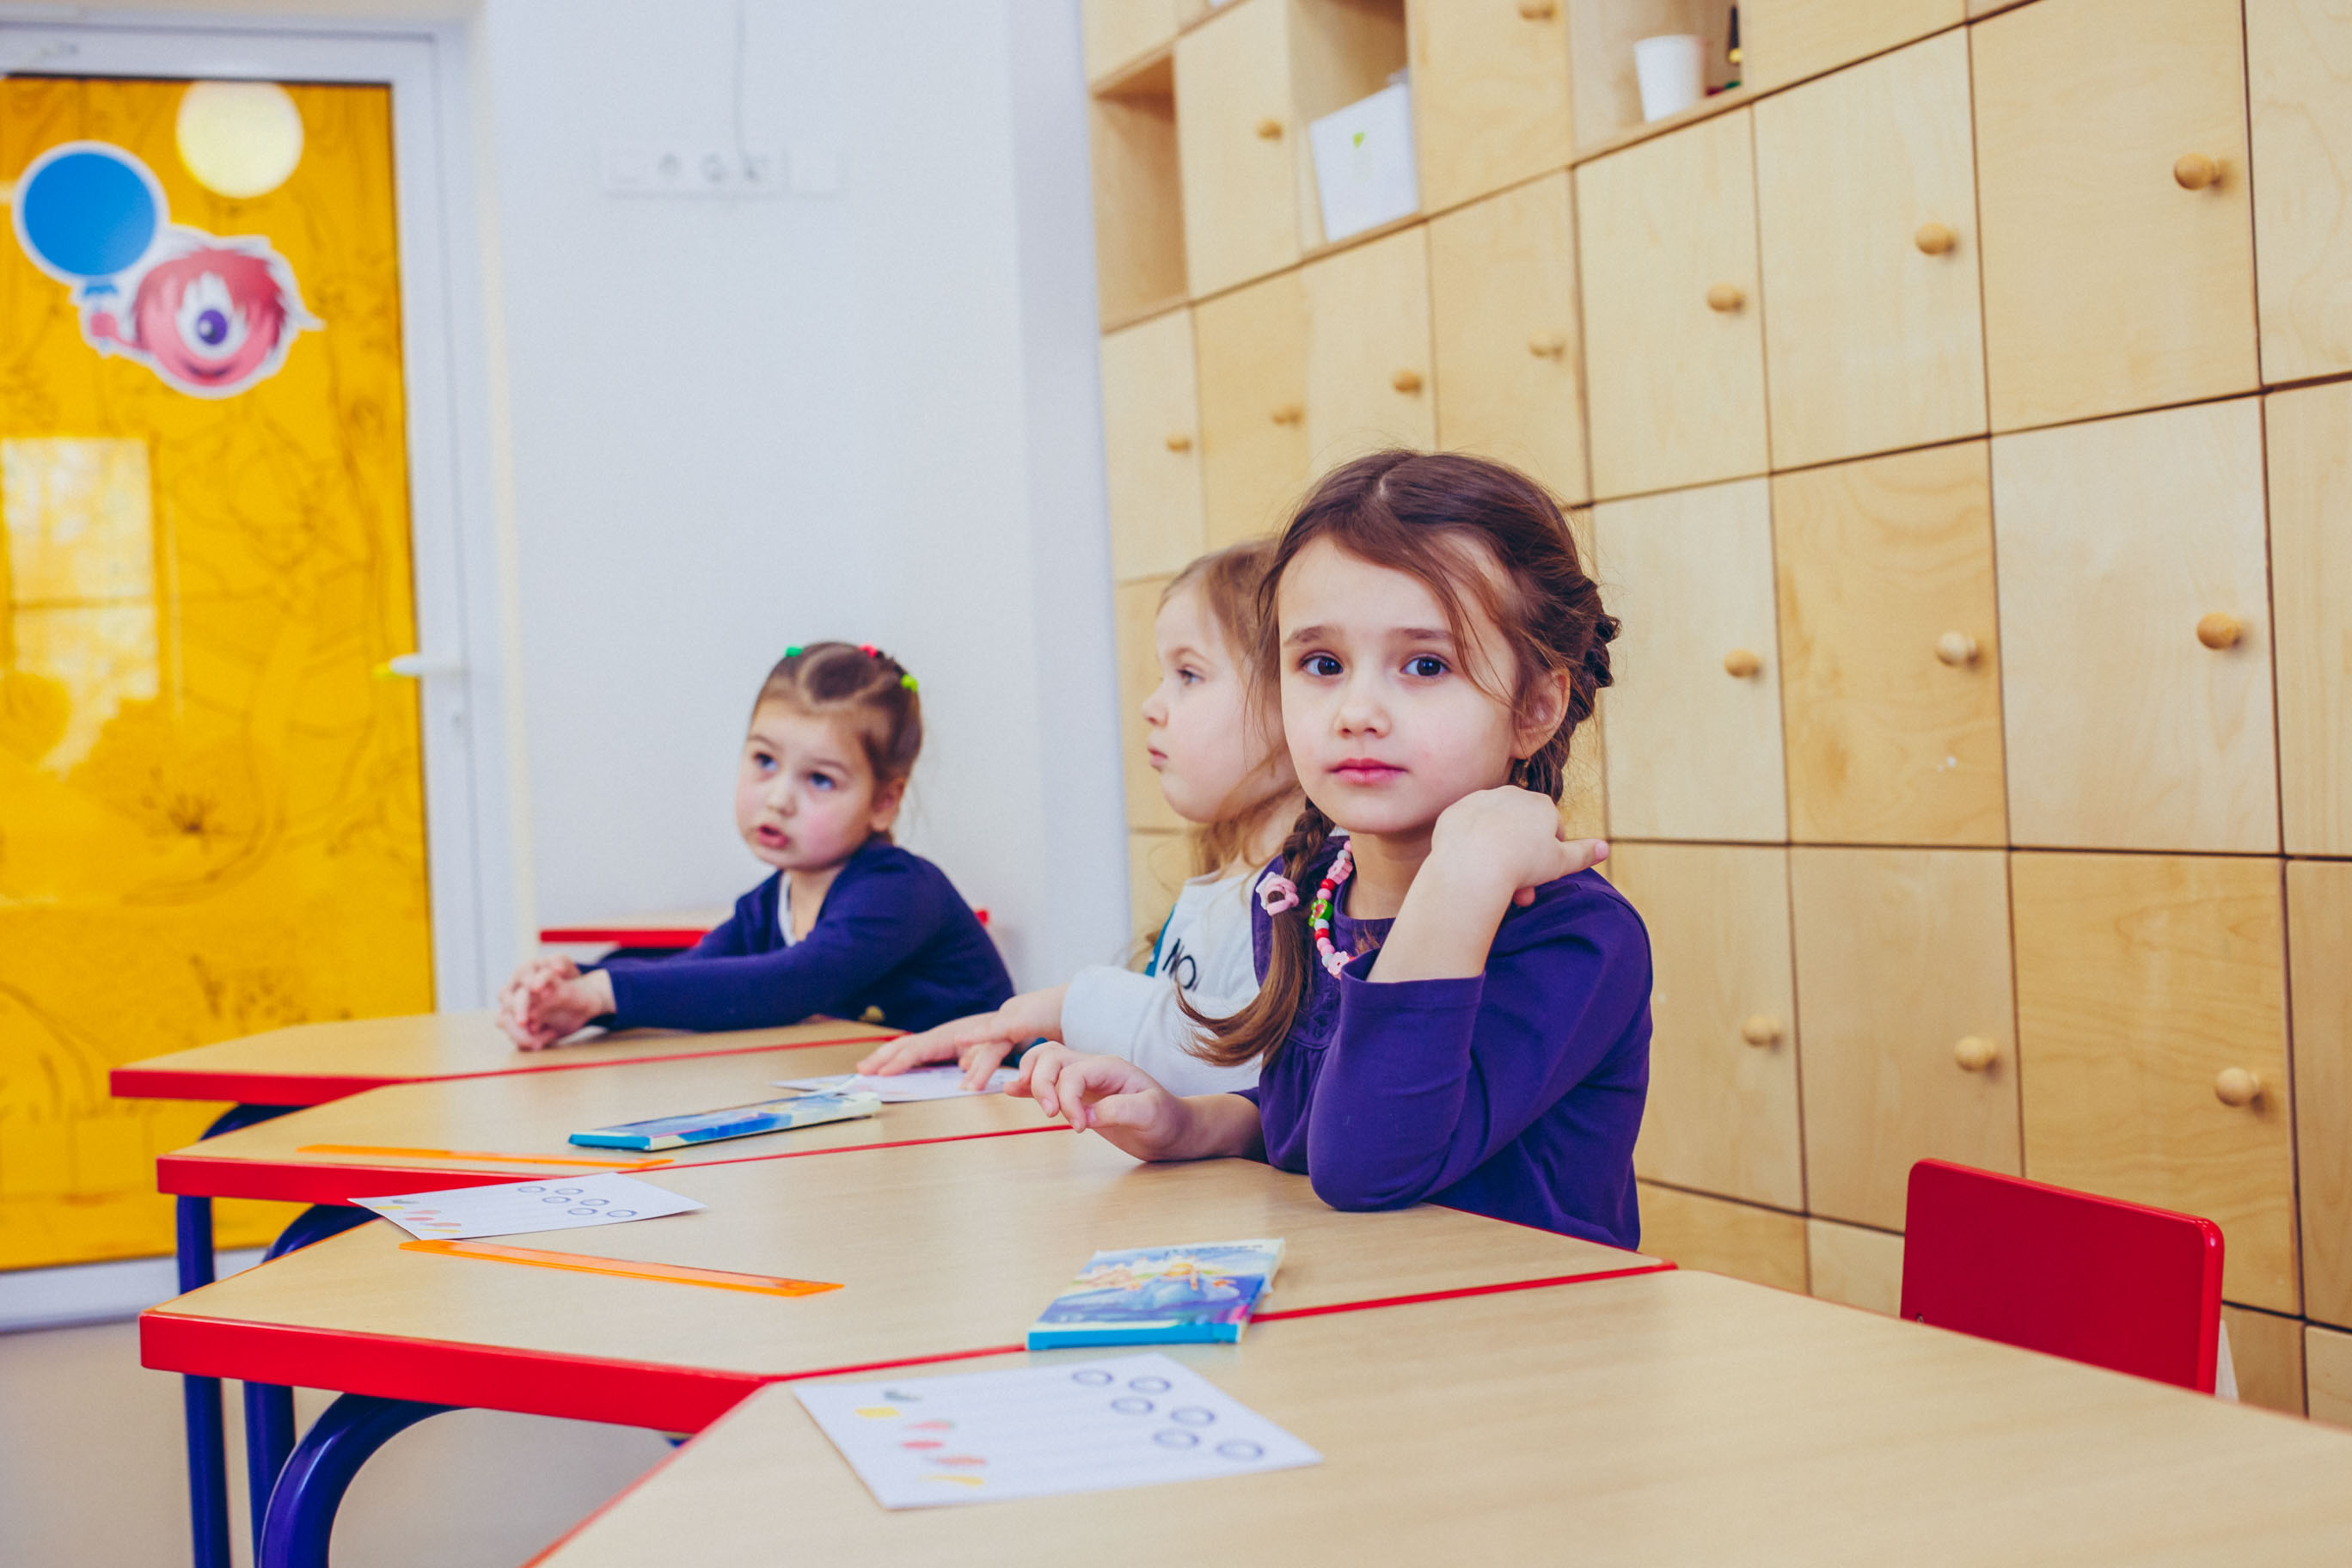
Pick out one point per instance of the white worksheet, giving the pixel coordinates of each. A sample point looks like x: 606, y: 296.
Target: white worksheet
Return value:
x: 519, y: 1208
x: 942, y: 1082
x: 1041, y: 1431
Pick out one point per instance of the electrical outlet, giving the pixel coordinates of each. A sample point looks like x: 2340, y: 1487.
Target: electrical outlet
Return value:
x: 681, y: 170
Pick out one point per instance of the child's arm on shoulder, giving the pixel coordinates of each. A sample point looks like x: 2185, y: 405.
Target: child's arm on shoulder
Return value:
x: 1128, y: 1106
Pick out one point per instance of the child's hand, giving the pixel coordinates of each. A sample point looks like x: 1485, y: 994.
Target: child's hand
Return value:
x: 981, y: 1042
x: 1511, y: 840
x: 534, y: 975
x: 558, y: 1006
x: 1106, y: 1095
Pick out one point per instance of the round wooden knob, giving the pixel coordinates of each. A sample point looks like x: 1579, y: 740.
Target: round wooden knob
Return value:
x: 1934, y: 238
x: 1725, y: 296
x: 1180, y: 442
x: 1269, y: 128
x: 1974, y: 1052
x: 2194, y: 171
x: 1740, y: 663
x: 1957, y: 649
x: 1287, y: 413
x: 1537, y: 10
x: 1760, y: 1029
x: 1406, y: 381
x: 2218, y: 631
x: 2236, y: 1086
x: 1546, y: 345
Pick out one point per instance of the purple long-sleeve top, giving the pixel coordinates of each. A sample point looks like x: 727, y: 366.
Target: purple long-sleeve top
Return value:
x: 1515, y: 1093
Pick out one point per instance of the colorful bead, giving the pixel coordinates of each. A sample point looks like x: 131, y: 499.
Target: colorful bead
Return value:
x: 1318, y: 915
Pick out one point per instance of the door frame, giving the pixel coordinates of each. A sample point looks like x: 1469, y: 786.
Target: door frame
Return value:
x: 460, y: 561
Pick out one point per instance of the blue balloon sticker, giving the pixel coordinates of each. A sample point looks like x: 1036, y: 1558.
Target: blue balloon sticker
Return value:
x: 87, y: 210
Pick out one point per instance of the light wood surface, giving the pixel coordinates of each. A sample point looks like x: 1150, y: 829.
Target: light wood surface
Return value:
x: 1508, y: 353
x: 2319, y: 960
x: 1252, y: 358
x: 1584, y: 794
x: 1139, y: 195
x: 533, y: 1114
x: 1368, y: 329
x: 1694, y: 752
x: 2266, y: 1354
x: 1722, y: 1115
x: 2107, y: 286
x: 1241, y: 212
x: 1855, y: 1265
x: 1889, y: 741
x: 1901, y: 954
x: 1136, y: 609
x: 1679, y: 1418
x: 2299, y: 80
x: 2115, y: 539
x: 940, y: 1249
x: 1762, y: 1245
x: 1152, y: 447
x: 2328, y: 1375
x: 2139, y: 979
x: 1605, y: 93
x: 1676, y: 388
x: 2309, y: 437
x: 1490, y: 101
x: 1157, y: 865
x: 1789, y: 40
x: 1871, y: 342
x: 1118, y: 31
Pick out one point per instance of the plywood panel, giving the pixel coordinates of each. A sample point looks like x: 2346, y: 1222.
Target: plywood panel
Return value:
x: 2299, y: 78
x: 1489, y: 96
x: 1138, y: 197
x: 2319, y: 960
x: 2140, y: 980
x: 2107, y: 285
x: 1676, y: 384
x: 1235, y: 128
x: 1118, y: 31
x: 1902, y: 954
x: 1874, y: 339
x: 2310, y: 448
x: 1760, y: 1246
x: 1252, y: 364
x: 1367, y: 359
x: 1606, y: 93
x: 1857, y: 1266
x: 2266, y: 1354
x: 1509, y: 357
x: 2328, y: 1375
x: 1890, y: 650
x: 1152, y: 447
x: 2116, y: 540
x: 1789, y: 40
x: 1694, y: 749
x: 1722, y: 1114
x: 1135, y: 607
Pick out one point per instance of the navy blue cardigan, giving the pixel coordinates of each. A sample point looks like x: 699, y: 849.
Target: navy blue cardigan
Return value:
x: 894, y: 934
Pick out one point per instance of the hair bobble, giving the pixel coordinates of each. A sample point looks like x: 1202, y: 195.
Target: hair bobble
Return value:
x: 869, y: 651
x: 909, y: 682
x: 793, y: 651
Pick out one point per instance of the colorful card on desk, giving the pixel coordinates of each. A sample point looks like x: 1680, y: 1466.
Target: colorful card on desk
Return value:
x: 1042, y: 1431
x: 942, y: 1082
x: 520, y: 1208
x: 734, y: 1121
x: 1162, y: 1296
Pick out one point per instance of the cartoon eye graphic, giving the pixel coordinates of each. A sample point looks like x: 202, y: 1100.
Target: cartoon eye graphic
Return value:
x: 210, y: 324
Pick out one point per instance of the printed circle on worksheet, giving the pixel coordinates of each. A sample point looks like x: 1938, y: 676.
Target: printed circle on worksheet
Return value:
x: 1092, y: 1376
x: 569, y: 1192
x: 620, y: 1214
x: 1148, y: 1384
x: 596, y: 1202
x: 532, y: 1187
x: 1241, y: 1448
x: 589, y: 1212
x: 1175, y: 1437
x: 555, y: 1200
x: 1128, y: 1404
x: 1192, y: 1416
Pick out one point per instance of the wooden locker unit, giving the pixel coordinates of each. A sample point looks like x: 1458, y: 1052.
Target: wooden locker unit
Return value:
x: 1135, y: 607
x: 1120, y: 31
x: 1889, y: 652
x: 2267, y: 1353
x: 2328, y: 1375
x: 1490, y: 103
x: 2151, y: 1016
x: 1604, y: 94
x: 1694, y: 719
x: 1368, y: 360
x: 1874, y: 339
x: 1674, y: 341
x: 1340, y: 51
x: 1152, y: 447
x: 1157, y: 865
x: 2320, y: 963
x: 1860, y: 1267
x: 1788, y: 40
x: 1584, y: 796
x: 1723, y: 1109
x: 1761, y: 1246
x: 2299, y: 81
x: 2309, y: 440
x: 1139, y: 195
x: 1903, y: 960
x: 2112, y: 192
x: 2127, y: 548
x: 1508, y: 355
x: 1235, y: 127
x: 1252, y: 345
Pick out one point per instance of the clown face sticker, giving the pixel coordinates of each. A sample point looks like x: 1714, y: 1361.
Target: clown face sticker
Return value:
x: 210, y: 315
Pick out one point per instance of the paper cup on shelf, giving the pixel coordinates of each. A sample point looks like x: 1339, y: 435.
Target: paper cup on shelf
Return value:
x: 1673, y: 73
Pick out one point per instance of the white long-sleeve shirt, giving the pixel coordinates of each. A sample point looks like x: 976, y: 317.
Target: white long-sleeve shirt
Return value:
x: 1204, y: 953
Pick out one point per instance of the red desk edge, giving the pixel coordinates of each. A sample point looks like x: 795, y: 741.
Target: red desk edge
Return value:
x: 628, y: 936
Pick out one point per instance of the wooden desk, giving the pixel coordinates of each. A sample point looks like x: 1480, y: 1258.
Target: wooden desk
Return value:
x: 670, y: 930
x: 1671, y: 1419
x: 945, y: 1250
x: 310, y: 1064
x: 532, y: 1114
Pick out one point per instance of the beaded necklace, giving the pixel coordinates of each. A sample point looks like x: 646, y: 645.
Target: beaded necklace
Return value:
x: 1319, y: 913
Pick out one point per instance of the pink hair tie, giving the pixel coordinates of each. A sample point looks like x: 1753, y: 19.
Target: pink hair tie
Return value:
x: 1276, y: 893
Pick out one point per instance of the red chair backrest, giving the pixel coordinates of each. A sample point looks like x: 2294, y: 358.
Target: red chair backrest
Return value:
x: 2093, y: 1280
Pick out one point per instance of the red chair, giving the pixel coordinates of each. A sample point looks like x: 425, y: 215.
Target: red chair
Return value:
x: 2113, y: 1284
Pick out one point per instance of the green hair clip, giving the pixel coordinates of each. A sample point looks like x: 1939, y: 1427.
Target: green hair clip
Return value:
x: 793, y: 651
x: 909, y: 682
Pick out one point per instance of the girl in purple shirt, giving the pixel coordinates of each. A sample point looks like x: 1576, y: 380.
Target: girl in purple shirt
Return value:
x: 1455, y: 1007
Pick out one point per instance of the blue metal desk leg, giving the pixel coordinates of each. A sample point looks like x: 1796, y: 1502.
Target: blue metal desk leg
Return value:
x: 301, y: 1514
x: 268, y: 1407
x: 201, y: 1397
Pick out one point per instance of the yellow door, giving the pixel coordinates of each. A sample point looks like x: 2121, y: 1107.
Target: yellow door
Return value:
x: 211, y: 814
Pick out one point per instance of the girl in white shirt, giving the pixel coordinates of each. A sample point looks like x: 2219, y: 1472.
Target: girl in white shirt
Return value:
x: 1214, y: 741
